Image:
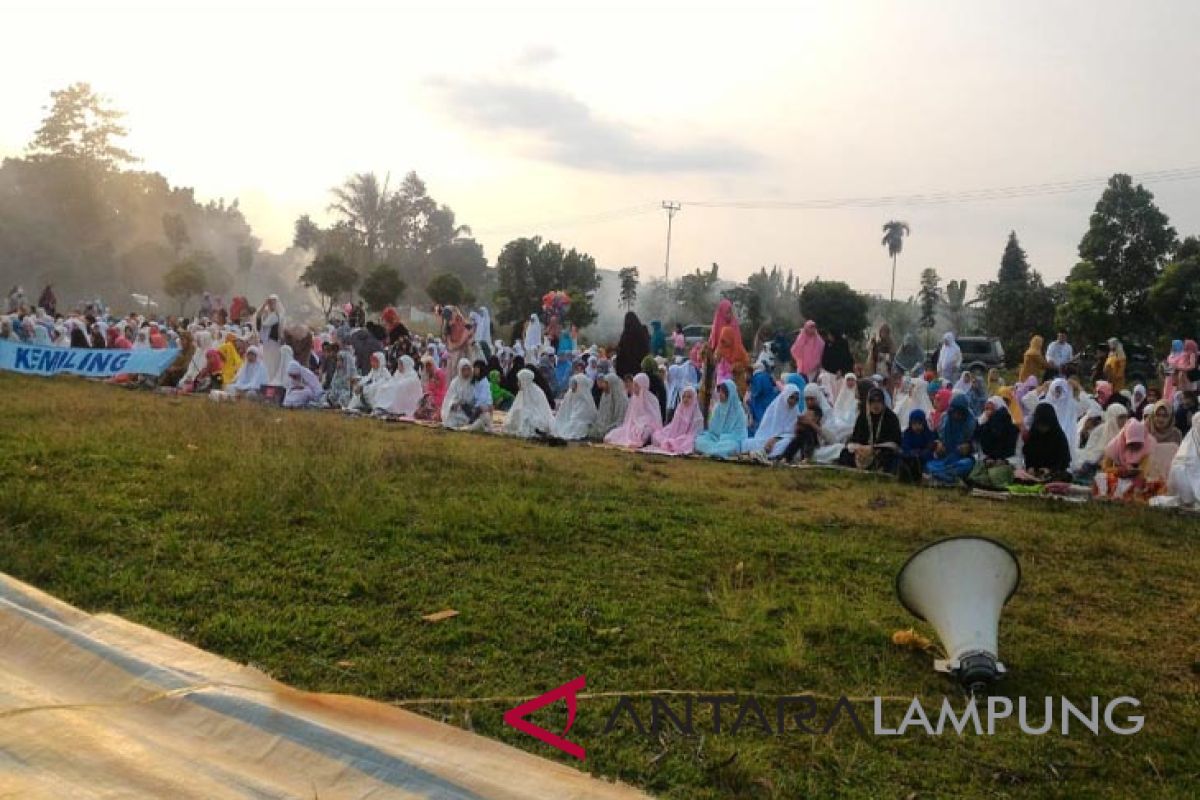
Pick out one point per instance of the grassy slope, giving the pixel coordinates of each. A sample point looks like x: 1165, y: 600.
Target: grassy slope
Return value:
x: 310, y: 545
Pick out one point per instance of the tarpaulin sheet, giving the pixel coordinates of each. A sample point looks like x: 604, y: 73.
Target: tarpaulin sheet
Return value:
x: 94, y: 706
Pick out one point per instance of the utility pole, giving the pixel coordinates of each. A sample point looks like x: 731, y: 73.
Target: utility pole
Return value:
x: 671, y: 207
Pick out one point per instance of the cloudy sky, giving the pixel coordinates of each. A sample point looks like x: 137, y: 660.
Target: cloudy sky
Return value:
x: 576, y: 121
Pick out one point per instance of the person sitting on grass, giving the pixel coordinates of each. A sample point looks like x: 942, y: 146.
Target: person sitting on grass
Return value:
x: 954, y: 454
x: 304, y: 387
x: 530, y: 415
x: 917, y: 446
x: 809, y: 434
x: 576, y: 411
x: 1046, y: 451
x: 777, y: 426
x: 678, y: 437
x: 875, y: 443
x: 643, y: 416
x: 252, y: 377
x: 726, y: 424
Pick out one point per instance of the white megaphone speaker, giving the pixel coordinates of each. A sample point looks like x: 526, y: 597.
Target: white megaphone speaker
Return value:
x: 959, y: 585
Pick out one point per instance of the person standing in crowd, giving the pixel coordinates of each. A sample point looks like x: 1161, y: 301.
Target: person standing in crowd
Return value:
x: 269, y: 322
x: 881, y: 351
x: 1034, y: 363
x: 1114, y: 365
x: 836, y: 358
x: 949, y: 358
x: 807, y: 350
x: 679, y: 342
x: 1059, y: 356
x: 632, y: 347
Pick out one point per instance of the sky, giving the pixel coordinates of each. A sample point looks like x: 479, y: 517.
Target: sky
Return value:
x: 575, y: 121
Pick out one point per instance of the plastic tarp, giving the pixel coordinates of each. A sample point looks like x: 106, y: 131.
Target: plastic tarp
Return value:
x: 94, y: 706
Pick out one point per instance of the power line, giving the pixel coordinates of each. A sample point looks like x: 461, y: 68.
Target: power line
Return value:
x: 950, y: 197
x: 572, y: 221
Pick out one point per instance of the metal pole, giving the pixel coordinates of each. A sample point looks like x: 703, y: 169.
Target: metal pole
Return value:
x: 671, y: 207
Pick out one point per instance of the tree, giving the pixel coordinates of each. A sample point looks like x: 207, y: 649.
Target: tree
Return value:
x: 382, y: 287
x: 245, y: 257
x: 629, y: 286
x: 365, y: 207
x: 1084, y: 310
x: 184, y: 281
x: 331, y: 276
x: 956, y: 305
x: 1175, y: 297
x: 81, y: 125
x: 1128, y: 241
x: 696, y: 292
x: 526, y: 269
x: 894, y: 232
x: 931, y: 298
x: 307, y: 235
x: 1017, y: 304
x: 175, y: 229
x: 835, y: 307
x: 446, y: 290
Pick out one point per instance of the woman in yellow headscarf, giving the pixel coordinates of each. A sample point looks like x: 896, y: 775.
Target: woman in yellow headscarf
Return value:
x: 230, y: 358
x: 994, y: 381
x: 1034, y: 363
x: 1010, y: 401
x: 1114, y: 365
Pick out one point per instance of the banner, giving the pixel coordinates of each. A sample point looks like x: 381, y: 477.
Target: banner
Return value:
x: 33, y: 359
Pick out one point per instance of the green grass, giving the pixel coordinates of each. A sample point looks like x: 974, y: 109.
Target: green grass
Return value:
x: 310, y: 545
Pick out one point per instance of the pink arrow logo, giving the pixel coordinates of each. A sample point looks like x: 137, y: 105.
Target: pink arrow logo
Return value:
x: 516, y: 717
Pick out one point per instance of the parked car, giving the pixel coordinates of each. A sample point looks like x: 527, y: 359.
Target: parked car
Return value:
x: 979, y: 354
x: 696, y: 333
x: 1141, y: 366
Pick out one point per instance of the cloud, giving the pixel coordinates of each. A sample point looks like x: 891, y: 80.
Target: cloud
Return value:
x: 568, y: 132
x: 537, y: 55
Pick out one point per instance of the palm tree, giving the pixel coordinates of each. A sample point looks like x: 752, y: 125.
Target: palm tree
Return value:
x: 364, y: 206
x: 894, y: 232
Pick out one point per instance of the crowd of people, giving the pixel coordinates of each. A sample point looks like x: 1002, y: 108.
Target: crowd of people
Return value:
x: 804, y: 402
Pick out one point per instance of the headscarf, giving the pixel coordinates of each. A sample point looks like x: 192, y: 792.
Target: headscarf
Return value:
x: 530, y: 414
x: 231, y: 359
x: 1034, y: 362
x: 675, y: 383
x: 780, y: 419
x: 1014, y: 408
x: 1131, y: 445
x: 998, y: 435
x: 957, y: 425
x: 1102, y: 434
x: 1184, y: 478
x: 950, y: 357
x: 462, y: 390
x: 845, y: 408
x: 642, y: 416
x: 577, y: 410
x: 633, y: 346
x: 762, y: 392
x: 913, y: 442
x: 658, y: 339
x: 610, y: 411
x: 722, y: 318
x: 1062, y: 399
x: 731, y: 349
x: 401, y: 395
x: 1104, y: 392
x: 253, y: 375
x: 533, y: 334
x: 814, y: 395
x: 808, y: 348
x: 679, y: 436
x: 340, y: 390
x: 1046, y: 447
x: 911, y: 357
x: 728, y: 419
x: 1159, y: 432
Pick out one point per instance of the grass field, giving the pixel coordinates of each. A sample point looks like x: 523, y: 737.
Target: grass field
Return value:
x: 310, y: 545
